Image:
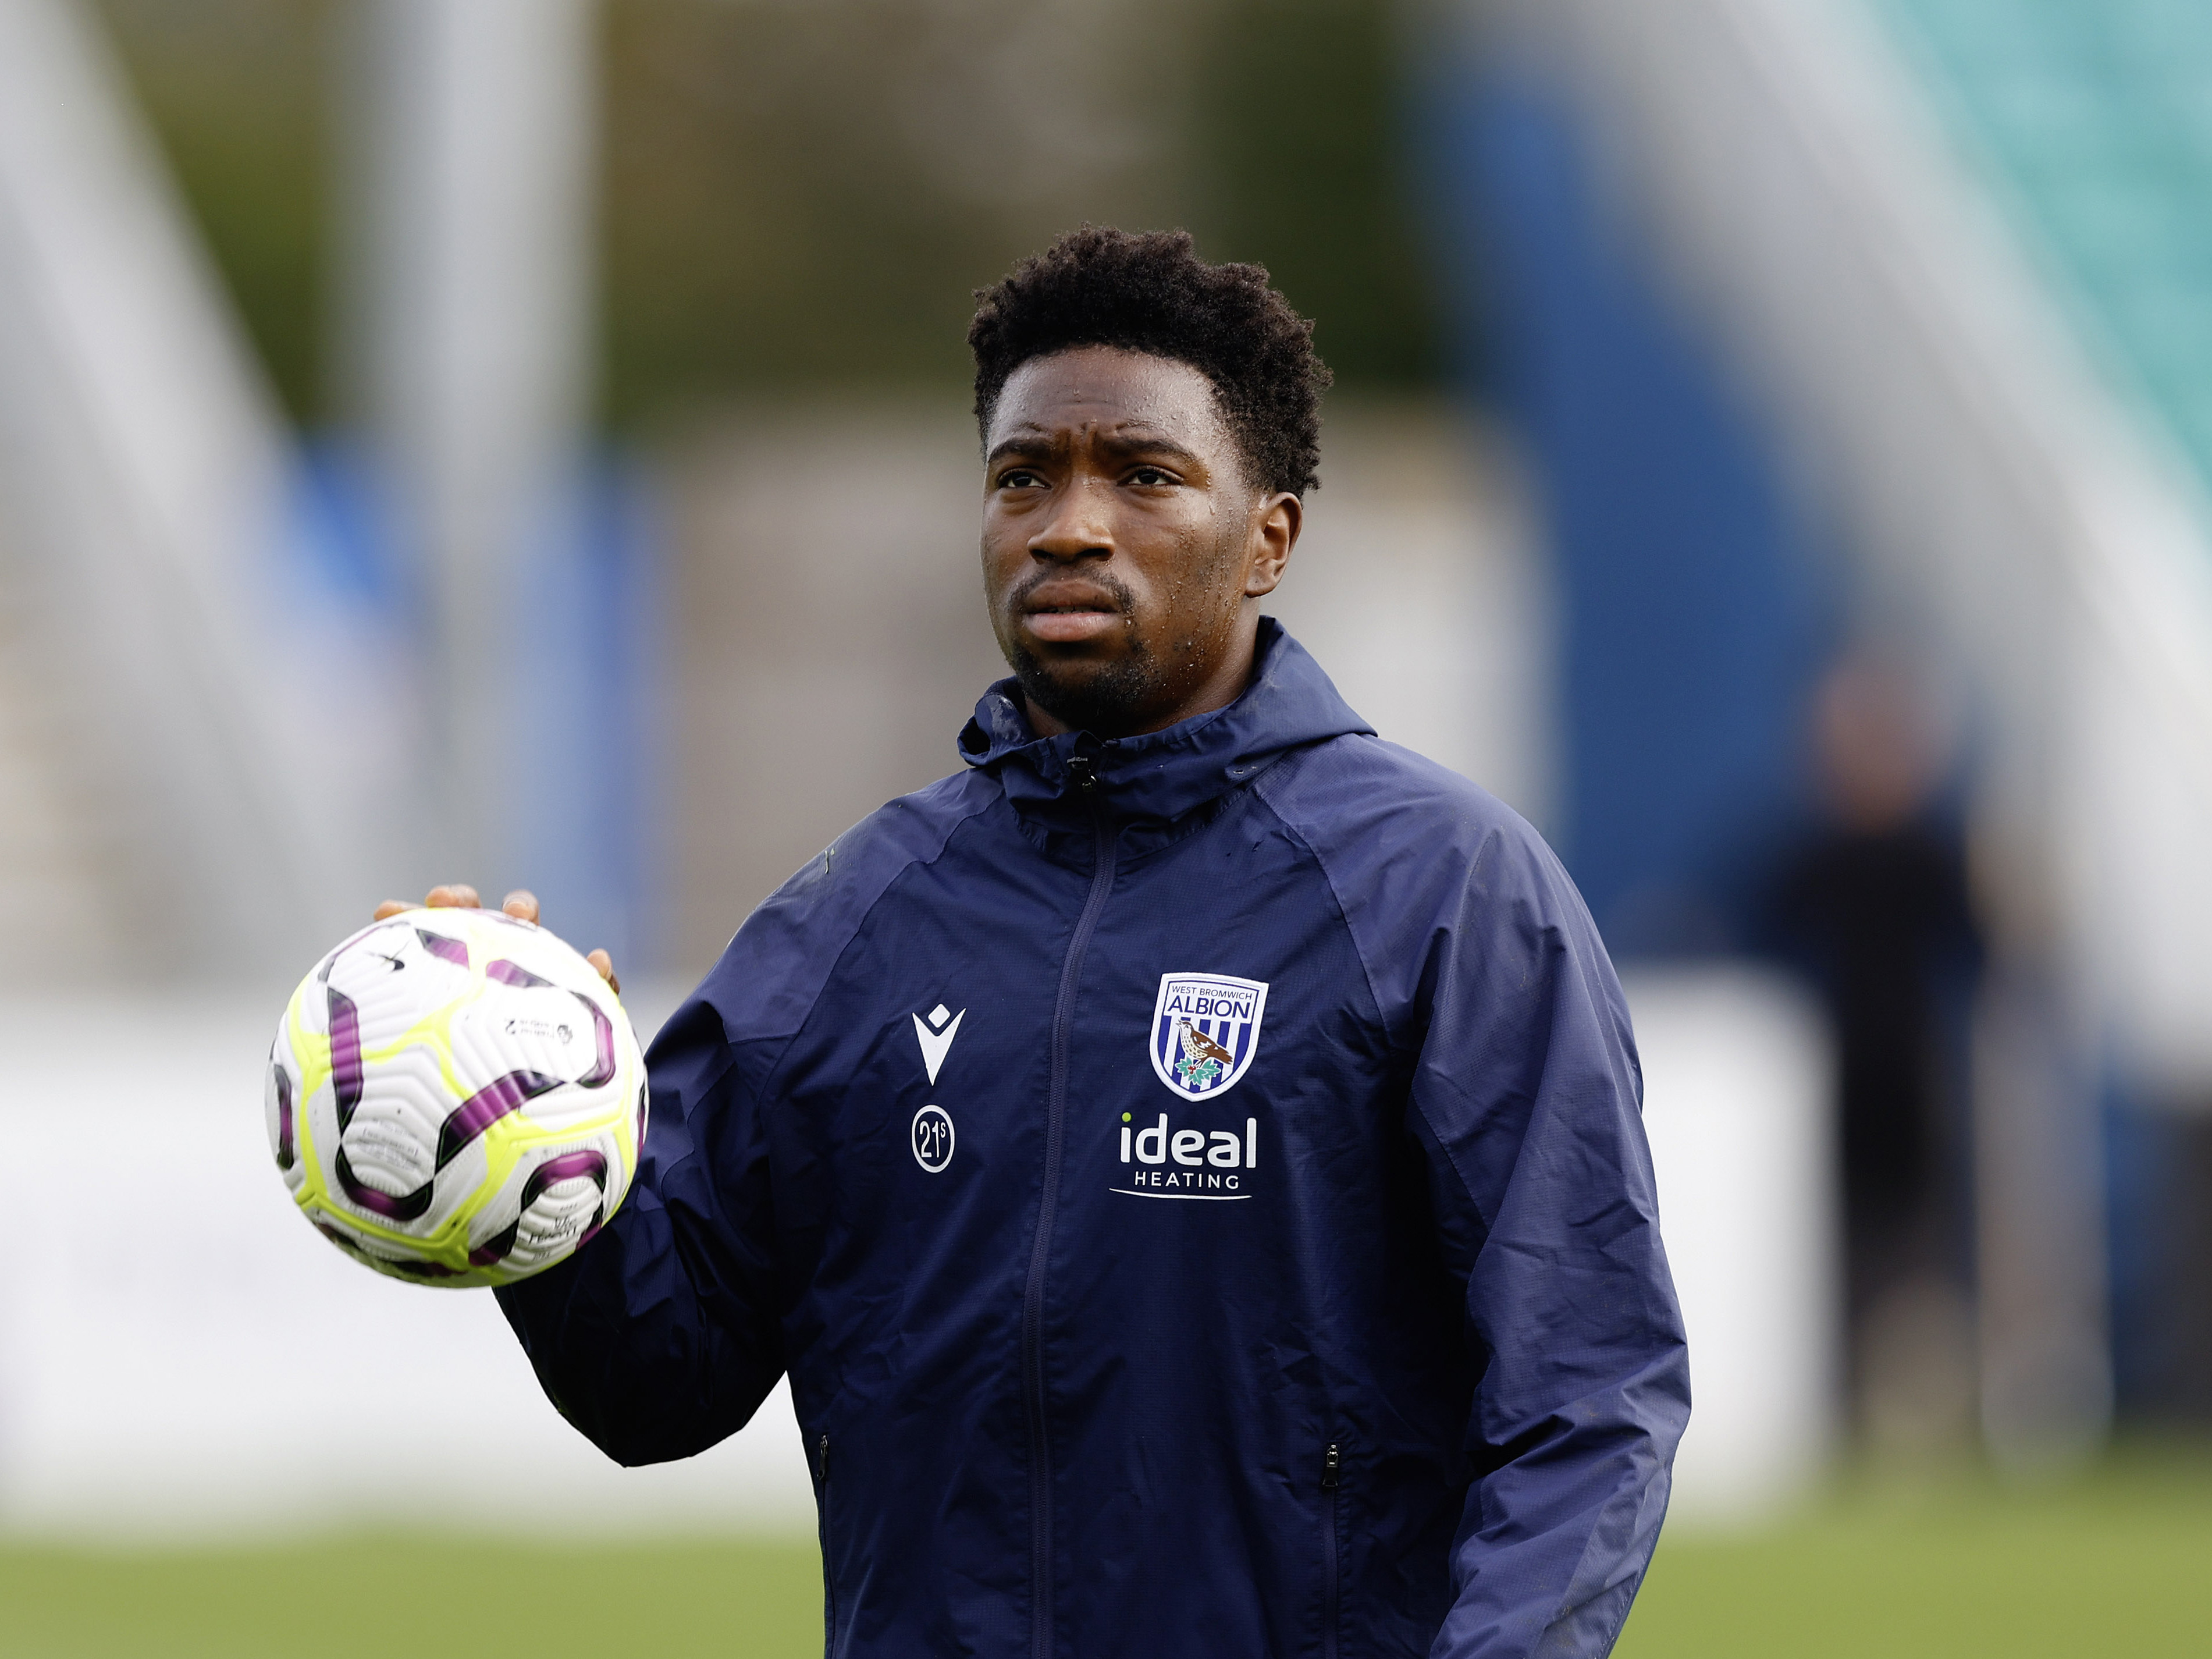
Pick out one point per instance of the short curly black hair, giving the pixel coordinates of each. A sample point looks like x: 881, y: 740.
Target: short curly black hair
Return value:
x: 1151, y: 293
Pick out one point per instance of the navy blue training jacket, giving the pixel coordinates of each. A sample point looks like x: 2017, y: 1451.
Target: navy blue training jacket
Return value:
x: 1195, y: 1185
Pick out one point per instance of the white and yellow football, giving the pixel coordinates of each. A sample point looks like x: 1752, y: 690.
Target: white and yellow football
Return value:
x: 456, y: 1098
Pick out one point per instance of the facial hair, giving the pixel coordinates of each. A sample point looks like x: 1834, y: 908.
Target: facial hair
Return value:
x: 1112, y: 701
x: 1130, y: 694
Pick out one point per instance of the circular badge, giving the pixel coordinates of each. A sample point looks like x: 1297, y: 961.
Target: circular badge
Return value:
x: 933, y: 1138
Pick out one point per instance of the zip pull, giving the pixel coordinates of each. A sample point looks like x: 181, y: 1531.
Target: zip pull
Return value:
x: 1332, y: 1466
x: 825, y: 1459
x: 1086, y: 774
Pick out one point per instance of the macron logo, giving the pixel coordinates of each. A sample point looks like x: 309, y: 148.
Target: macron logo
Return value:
x: 936, y: 1037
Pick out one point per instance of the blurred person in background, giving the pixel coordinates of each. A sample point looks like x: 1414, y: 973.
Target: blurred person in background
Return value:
x: 1380, y: 1354
x: 1875, y: 906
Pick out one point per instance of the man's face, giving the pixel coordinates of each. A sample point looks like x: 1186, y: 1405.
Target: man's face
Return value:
x: 1124, y: 554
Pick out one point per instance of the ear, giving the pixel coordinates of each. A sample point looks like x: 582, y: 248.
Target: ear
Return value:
x: 1276, y: 521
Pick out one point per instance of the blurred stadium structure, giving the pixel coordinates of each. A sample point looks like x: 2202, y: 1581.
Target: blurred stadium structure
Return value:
x: 1801, y: 329
x: 154, y: 601
x: 1918, y: 284
x: 465, y: 359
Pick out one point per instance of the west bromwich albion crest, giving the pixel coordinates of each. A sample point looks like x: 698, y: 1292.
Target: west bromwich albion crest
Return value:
x: 1206, y: 1029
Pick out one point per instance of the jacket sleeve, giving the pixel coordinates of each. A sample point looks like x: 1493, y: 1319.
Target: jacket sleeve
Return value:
x: 1526, y: 1097
x: 661, y: 1336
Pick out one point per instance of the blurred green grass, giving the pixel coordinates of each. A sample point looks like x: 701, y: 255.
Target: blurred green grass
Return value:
x: 375, y: 1596
x: 2117, y: 1561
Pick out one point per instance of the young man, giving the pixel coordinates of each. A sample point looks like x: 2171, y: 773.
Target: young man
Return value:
x: 1188, y: 1162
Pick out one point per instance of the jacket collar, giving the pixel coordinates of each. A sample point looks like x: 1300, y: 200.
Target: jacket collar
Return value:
x: 1164, y: 775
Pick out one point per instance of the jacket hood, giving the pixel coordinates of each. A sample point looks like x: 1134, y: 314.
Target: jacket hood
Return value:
x: 1164, y: 775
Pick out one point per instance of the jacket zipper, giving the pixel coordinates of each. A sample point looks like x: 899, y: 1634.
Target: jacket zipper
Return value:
x: 1332, y: 1478
x: 828, y: 1582
x: 1102, y: 880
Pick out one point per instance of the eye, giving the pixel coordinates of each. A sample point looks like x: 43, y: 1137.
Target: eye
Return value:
x: 1151, y: 477
x: 1018, y: 477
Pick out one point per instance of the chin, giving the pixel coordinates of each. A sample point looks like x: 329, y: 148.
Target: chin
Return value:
x: 1111, y: 699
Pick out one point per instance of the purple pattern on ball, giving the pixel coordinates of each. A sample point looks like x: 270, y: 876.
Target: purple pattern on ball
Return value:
x: 495, y: 1247
x: 423, y: 1269
x: 467, y: 1121
x: 509, y: 973
x: 284, y: 1156
x: 568, y: 1166
x: 345, y: 1055
x: 603, y: 1029
x: 486, y: 1107
x: 451, y: 949
x: 408, y: 1206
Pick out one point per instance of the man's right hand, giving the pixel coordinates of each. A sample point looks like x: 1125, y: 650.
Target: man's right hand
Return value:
x: 522, y: 904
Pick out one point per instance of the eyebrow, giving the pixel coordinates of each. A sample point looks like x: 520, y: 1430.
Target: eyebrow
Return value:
x: 1032, y: 443
x: 1036, y: 442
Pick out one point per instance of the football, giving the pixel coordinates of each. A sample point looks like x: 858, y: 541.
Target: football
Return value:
x: 456, y: 1098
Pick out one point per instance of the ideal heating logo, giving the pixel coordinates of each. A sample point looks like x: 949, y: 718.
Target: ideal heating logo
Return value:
x: 1162, y: 1161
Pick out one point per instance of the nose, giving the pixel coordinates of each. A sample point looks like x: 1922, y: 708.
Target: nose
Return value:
x: 1077, y: 528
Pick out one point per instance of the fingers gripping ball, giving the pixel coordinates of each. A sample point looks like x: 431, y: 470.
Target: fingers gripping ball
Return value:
x: 456, y: 1098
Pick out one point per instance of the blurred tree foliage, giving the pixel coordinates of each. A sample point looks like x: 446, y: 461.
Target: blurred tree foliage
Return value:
x: 804, y: 192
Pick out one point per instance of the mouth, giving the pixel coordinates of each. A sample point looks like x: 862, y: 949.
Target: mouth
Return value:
x: 1068, y: 616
